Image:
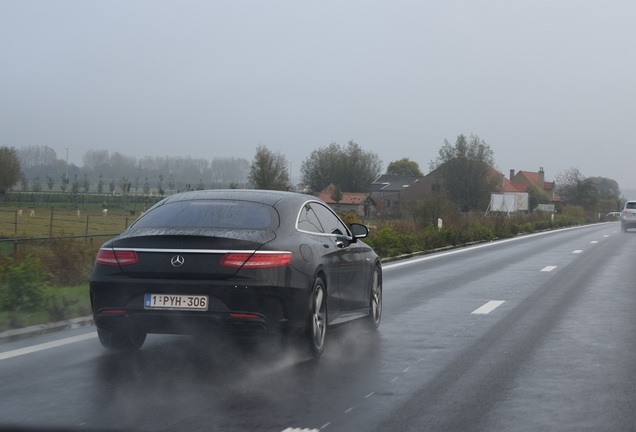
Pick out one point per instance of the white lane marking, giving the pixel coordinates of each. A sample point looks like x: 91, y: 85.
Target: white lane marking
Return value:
x: 47, y: 345
x: 578, y: 251
x: 349, y: 410
x: 488, y: 307
x: 606, y: 235
x: 302, y: 430
x: 369, y: 395
x: 325, y: 425
x: 548, y: 268
x: 594, y: 241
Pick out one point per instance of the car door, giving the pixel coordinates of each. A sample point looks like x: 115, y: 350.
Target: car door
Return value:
x: 351, y: 258
x: 324, y: 246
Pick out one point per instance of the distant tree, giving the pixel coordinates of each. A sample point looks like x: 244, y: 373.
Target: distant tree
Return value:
x: 10, y: 170
x: 576, y: 190
x: 200, y: 185
x: 269, y: 170
x: 75, y: 185
x: 473, y: 148
x: 336, y: 195
x: 38, y: 155
x: 609, y: 194
x: 111, y: 187
x: 404, y: 167
x: 87, y: 183
x: 36, y: 184
x: 96, y: 160
x: 63, y: 182
x: 146, y: 187
x: 160, y: 186
x: 24, y: 183
x: 225, y: 171
x: 50, y: 183
x: 465, y: 169
x: 100, y: 184
x: 350, y: 167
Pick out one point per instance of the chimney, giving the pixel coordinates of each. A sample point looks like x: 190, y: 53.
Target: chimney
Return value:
x: 512, y: 174
x: 541, y: 178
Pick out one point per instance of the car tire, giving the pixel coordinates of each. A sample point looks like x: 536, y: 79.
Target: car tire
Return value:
x: 375, y: 300
x: 121, y: 340
x: 317, y: 326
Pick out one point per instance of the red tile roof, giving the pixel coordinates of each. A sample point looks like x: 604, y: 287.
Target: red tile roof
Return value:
x: 352, y: 198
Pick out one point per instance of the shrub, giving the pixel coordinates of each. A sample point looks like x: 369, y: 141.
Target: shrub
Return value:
x: 22, y: 285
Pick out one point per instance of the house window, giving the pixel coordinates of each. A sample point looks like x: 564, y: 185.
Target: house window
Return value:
x: 387, y: 203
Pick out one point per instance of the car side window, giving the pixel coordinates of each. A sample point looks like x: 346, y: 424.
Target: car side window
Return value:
x: 330, y: 223
x: 317, y: 218
x: 308, y: 220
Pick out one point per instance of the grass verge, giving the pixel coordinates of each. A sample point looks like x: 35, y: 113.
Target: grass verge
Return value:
x: 61, y: 303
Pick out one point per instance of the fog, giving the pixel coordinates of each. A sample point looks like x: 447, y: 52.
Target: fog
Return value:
x: 545, y: 84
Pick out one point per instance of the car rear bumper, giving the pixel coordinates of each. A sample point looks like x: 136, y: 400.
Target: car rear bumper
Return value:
x: 627, y: 224
x: 231, y: 308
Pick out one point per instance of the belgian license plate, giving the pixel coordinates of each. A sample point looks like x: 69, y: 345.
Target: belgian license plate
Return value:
x: 176, y: 302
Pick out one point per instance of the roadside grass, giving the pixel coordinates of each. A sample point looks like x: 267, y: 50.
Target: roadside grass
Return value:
x: 61, y: 303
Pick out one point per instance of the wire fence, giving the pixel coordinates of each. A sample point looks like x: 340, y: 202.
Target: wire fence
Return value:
x: 13, y: 245
x: 40, y: 225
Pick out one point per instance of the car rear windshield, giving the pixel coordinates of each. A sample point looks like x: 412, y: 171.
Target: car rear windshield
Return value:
x: 213, y: 214
x: 631, y: 205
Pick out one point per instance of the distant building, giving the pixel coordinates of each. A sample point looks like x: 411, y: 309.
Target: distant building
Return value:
x: 387, y: 192
x: 358, y: 203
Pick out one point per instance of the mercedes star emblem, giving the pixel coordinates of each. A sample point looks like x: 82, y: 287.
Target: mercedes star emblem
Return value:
x: 177, y: 261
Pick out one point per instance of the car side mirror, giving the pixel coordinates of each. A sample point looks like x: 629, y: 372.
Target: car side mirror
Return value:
x: 359, y: 230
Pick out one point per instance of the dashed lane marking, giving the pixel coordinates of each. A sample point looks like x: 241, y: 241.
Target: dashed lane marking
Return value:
x: 488, y: 307
x: 578, y: 251
x: 548, y: 268
x: 300, y: 430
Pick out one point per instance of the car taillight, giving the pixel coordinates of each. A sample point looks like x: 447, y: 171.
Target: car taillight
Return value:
x: 256, y: 260
x: 113, y: 258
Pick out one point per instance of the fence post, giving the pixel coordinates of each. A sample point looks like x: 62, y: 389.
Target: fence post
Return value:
x: 87, y: 226
x: 15, y: 229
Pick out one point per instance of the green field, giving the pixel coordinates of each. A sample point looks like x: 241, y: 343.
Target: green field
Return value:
x: 53, y: 222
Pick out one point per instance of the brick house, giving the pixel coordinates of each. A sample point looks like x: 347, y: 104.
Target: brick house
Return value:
x: 387, y: 193
x: 518, y: 182
x: 358, y: 203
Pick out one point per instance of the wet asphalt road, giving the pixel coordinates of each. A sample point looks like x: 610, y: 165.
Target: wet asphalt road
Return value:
x: 535, y: 333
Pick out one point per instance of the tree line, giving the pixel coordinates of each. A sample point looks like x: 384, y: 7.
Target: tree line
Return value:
x: 464, y: 166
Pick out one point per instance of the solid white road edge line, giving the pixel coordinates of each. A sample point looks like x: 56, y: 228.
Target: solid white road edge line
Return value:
x: 411, y: 261
x: 488, y: 307
x: 47, y: 345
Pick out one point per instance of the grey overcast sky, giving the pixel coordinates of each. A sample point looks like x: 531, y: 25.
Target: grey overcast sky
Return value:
x: 546, y: 83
